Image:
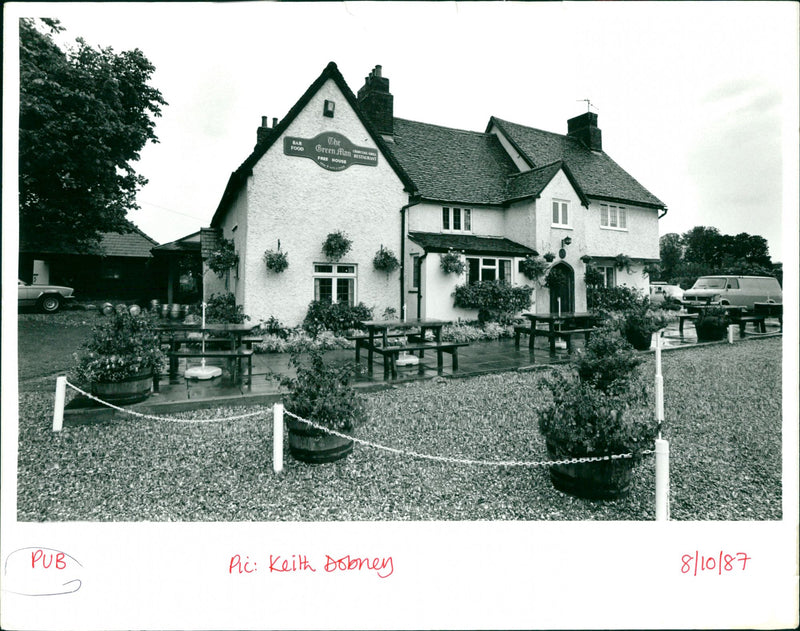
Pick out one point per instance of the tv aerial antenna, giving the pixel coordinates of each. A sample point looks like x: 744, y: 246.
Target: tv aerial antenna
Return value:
x: 589, y: 106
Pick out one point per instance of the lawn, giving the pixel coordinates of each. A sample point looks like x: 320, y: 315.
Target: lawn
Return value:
x: 723, y: 421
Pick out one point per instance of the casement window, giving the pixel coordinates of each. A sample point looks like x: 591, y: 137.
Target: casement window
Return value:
x: 335, y: 283
x: 489, y: 269
x: 561, y: 213
x: 456, y: 219
x: 613, y: 216
x: 609, y: 275
x: 416, y: 271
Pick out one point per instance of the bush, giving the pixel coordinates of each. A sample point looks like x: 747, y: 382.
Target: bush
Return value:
x: 336, y: 317
x: 222, y: 308
x: 533, y: 267
x: 121, y: 346
x: 609, y: 360
x: 298, y: 341
x: 322, y: 393
x: 583, y: 421
x: 495, y: 300
x: 621, y: 298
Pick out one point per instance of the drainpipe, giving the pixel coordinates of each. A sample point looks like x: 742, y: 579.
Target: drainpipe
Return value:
x: 403, y: 232
x: 419, y: 289
x: 661, y: 216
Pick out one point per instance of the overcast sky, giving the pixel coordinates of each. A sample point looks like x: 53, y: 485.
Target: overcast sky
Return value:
x: 696, y: 101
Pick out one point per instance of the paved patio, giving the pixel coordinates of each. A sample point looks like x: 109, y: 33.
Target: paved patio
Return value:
x: 478, y: 358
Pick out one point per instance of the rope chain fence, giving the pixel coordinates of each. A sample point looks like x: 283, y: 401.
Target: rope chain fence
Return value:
x: 453, y: 460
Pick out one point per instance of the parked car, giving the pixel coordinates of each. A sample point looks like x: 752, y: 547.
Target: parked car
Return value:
x: 659, y: 291
x: 738, y: 291
x: 46, y: 298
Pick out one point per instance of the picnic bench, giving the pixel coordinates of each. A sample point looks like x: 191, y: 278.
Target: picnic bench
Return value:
x: 414, y: 340
x: 391, y: 353
x: 235, y: 355
x: 769, y: 310
x: 560, y: 326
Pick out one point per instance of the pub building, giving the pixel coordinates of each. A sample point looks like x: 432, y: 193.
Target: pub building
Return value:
x: 342, y: 162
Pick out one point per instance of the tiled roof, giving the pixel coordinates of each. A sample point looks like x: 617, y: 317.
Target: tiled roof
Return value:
x: 595, y: 172
x: 452, y: 164
x: 189, y: 243
x: 134, y: 244
x: 469, y: 244
x: 131, y: 244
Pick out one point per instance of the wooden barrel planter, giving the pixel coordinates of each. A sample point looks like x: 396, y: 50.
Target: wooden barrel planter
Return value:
x: 640, y: 340
x: 129, y: 390
x: 710, y: 331
x: 314, y: 446
x: 601, y: 480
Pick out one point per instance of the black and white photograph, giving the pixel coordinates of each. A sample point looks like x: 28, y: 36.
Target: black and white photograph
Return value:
x: 414, y: 315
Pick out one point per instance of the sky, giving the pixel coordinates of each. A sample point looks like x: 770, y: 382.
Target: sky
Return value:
x: 697, y: 101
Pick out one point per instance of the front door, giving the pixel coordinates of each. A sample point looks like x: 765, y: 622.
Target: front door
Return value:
x: 565, y: 292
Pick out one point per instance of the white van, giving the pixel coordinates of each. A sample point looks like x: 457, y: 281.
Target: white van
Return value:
x: 738, y: 291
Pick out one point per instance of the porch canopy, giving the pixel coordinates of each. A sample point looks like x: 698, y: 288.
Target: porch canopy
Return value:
x: 470, y: 244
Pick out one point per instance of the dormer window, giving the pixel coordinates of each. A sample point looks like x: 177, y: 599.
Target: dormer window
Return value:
x: 456, y: 219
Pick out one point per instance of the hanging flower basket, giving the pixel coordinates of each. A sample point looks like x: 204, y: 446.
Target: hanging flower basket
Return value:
x: 586, y: 259
x: 385, y: 261
x: 223, y: 258
x: 276, y: 261
x: 453, y: 263
x: 623, y: 261
x: 336, y: 245
x: 549, y: 257
x: 533, y: 267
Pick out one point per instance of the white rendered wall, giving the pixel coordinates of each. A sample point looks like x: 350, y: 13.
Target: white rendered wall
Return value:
x: 293, y: 199
x: 485, y: 222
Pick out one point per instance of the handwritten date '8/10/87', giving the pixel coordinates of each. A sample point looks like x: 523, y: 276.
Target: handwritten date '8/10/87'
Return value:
x: 719, y: 564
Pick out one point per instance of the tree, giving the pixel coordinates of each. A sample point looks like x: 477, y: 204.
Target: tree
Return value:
x: 702, y: 245
x: 85, y: 114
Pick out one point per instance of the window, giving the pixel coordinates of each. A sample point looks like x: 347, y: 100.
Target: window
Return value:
x: 461, y: 219
x: 733, y: 283
x: 560, y: 213
x: 612, y: 216
x: 335, y: 283
x: 416, y: 267
x: 609, y: 275
x: 489, y: 269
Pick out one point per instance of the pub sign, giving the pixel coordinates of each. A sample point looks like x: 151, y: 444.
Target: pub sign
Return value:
x: 330, y: 150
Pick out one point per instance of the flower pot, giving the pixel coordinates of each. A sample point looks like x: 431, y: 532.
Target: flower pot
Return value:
x: 129, y: 390
x: 710, y: 331
x: 601, y: 480
x: 314, y: 446
x: 640, y: 340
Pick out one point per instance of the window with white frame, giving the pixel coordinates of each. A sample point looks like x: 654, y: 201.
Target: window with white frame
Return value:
x: 609, y: 273
x: 489, y: 269
x: 613, y: 216
x: 560, y: 213
x: 456, y: 219
x: 335, y: 283
x: 416, y: 269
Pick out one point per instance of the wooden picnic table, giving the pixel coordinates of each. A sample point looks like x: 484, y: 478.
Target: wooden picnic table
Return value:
x: 233, y: 332
x: 560, y: 325
x: 415, y: 331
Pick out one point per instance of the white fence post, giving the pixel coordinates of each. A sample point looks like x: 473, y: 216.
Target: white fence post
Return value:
x: 662, y: 480
x: 731, y: 329
x: 277, y: 437
x: 58, y: 409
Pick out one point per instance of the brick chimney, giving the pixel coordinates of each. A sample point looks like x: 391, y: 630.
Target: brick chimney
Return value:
x: 377, y: 102
x: 262, y: 133
x: 584, y: 128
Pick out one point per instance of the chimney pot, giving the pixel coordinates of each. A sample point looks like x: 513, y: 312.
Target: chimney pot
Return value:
x: 264, y: 121
x: 274, y: 122
x: 378, y: 71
